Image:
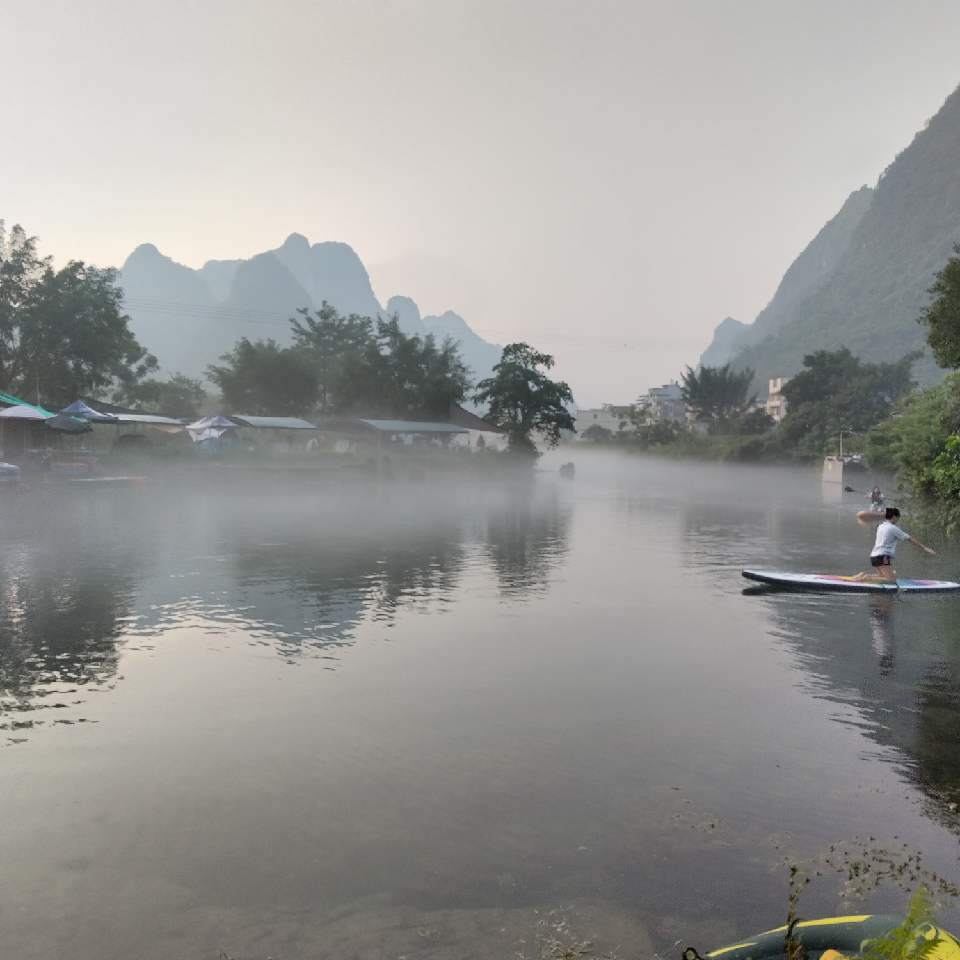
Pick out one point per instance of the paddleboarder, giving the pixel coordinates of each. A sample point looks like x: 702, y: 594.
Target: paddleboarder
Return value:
x: 885, y: 548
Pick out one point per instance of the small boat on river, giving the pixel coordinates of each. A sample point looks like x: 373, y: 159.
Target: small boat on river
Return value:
x: 844, y: 936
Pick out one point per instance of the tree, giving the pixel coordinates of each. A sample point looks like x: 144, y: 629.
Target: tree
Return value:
x: 909, y: 442
x: 524, y: 400
x: 396, y: 375
x: 717, y: 394
x: 638, y: 426
x: 943, y: 315
x: 838, y: 392
x: 264, y: 379
x: 63, y: 332
x: 327, y: 338
x: 597, y: 434
x: 177, y: 397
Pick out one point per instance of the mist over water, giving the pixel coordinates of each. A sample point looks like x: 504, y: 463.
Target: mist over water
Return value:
x: 412, y: 719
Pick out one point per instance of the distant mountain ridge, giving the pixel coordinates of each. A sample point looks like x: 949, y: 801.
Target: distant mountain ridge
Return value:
x: 188, y: 318
x: 863, y: 280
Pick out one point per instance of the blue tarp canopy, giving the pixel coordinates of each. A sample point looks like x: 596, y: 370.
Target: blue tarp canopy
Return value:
x: 213, y: 423
x: 79, y: 409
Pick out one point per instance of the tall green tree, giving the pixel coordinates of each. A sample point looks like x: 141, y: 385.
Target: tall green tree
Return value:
x: 264, y: 379
x: 63, y: 332
x: 838, y: 392
x: 524, y: 400
x: 180, y: 396
x: 943, y: 314
x: 395, y: 375
x: 327, y: 337
x: 716, y: 395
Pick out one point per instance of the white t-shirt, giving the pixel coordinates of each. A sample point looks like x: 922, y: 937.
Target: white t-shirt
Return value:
x: 887, y: 536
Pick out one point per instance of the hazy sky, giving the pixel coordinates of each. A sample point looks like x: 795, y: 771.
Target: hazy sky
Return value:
x: 605, y: 180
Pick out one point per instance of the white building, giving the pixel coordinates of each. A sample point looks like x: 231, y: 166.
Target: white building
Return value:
x: 605, y: 416
x: 776, y: 403
x: 666, y: 402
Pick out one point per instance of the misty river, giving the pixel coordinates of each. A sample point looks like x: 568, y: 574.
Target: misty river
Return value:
x: 435, y: 719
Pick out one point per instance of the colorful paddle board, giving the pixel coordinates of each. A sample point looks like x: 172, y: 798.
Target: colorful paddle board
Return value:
x: 826, y: 581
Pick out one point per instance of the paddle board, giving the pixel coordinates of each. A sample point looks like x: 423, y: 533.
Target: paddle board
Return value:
x: 826, y: 581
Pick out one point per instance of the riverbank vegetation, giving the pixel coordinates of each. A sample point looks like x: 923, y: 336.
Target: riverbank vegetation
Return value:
x: 875, y: 407
x: 63, y: 336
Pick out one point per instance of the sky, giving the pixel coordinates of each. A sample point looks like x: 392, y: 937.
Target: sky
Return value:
x: 604, y: 180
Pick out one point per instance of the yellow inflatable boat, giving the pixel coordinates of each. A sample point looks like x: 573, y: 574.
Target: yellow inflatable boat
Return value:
x: 830, y: 939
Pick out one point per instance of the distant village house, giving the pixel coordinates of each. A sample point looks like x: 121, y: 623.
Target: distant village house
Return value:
x: 776, y: 403
x: 666, y: 402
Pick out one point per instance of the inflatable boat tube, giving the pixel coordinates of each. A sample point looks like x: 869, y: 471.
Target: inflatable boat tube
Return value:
x: 846, y: 935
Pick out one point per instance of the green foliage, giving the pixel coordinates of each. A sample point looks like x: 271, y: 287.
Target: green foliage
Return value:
x: 62, y: 332
x: 945, y: 477
x: 597, y: 434
x: 792, y: 947
x: 263, y: 379
x: 871, y: 298
x: 752, y: 424
x: 394, y: 375
x: 715, y: 395
x: 524, y: 400
x: 837, y: 392
x: 639, y: 429
x: 177, y: 397
x: 327, y: 338
x: 915, y: 939
x: 943, y: 315
x: 909, y: 442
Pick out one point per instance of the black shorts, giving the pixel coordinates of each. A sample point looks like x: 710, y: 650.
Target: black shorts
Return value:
x: 881, y: 561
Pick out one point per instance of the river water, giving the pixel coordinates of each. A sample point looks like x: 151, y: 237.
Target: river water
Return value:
x: 446, y: 719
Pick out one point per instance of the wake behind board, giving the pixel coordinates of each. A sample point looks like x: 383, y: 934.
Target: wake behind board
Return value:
x: 826, y: 581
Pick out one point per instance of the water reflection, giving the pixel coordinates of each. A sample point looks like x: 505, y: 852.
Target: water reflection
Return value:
x: 884, y: 638
x: 66, y: 593
x: 578, y: 706
x: 297, y: 575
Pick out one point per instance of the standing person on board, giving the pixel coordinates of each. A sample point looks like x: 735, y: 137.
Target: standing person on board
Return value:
x: 884, y: 549
x: 876, y: 499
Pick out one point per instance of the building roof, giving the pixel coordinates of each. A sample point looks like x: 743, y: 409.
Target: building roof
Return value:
x: 273, y: 423
x: 391, y: 426
x: 126, y: 415
x: 464, y: 418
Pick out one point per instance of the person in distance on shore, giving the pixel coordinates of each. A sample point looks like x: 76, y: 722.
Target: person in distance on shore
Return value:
x: 884, y: 549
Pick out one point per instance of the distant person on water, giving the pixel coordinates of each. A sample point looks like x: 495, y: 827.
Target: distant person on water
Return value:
x: 884, y: 549
x: 876, y: 499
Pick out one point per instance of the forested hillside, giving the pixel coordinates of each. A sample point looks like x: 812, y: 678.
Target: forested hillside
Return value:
x: 886, y: 246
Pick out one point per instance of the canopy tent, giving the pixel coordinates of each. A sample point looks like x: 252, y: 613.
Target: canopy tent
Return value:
x: 63, y: 423
x: 210, y: 428
x: 17, y: 402
x: 79, y: 409
x: 215, y: 421
x: 124, y: 415
x: 24, y: 412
